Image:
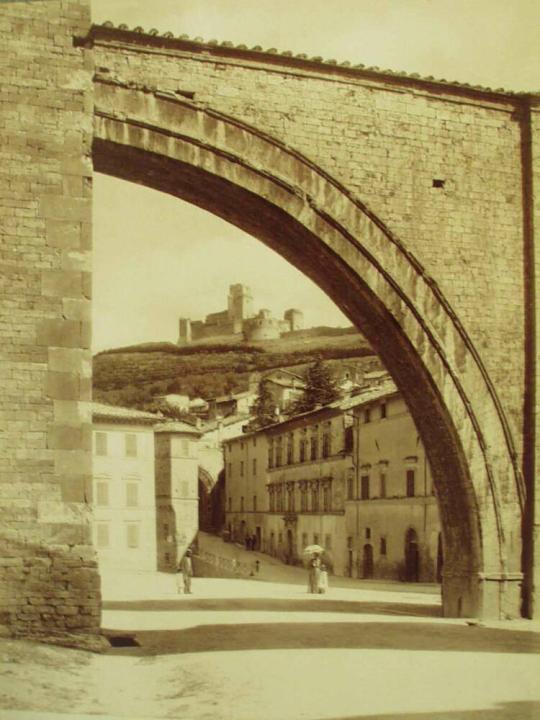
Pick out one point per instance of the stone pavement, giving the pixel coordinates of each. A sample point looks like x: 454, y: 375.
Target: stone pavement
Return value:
x: 242, y: 649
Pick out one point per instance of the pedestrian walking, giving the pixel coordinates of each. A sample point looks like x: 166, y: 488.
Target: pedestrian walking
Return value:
x: 186, y: 568
x: 314, y: 573
x: 323, y: 580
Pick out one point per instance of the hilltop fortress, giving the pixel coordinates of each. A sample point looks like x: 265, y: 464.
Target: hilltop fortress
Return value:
x: 239, y: 318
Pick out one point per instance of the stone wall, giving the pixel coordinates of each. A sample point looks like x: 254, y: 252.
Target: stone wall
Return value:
x: 438, y: 170
x: 49, y: 582
x: 387, y: 142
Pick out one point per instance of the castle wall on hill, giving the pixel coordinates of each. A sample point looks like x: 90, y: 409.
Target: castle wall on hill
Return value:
x: 240, y: 318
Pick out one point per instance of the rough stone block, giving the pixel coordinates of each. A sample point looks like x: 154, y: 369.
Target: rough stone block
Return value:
x: 62, y: 283
x: 59, y: 333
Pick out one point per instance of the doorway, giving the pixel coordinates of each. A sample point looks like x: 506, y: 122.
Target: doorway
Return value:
x: 411, y: 556
x: 368, y: 562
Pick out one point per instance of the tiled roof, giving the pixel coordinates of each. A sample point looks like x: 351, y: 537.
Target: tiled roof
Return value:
x: 113, y: 412
x: 257, y: 49
x: 385, y: 389
x: 177, y: 426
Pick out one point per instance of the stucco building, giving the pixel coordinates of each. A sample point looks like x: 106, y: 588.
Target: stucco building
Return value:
x: 351, y: 476
x: 145, y: 488
x: 391, y: 514
x: 124, y: 504
x: 177, y: 491
x: 285, y: 484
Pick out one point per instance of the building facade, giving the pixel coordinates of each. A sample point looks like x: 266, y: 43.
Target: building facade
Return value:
x: 177, y: 492
x: 309, y: 461
x: 245, y: 494
x: 352, y: 477
x: 391, y: 514
x: 124, y: 505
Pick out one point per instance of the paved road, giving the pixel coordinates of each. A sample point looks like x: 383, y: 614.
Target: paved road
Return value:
x: 247, y: 650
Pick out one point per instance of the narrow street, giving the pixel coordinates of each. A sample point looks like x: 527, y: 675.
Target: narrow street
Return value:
x: 263, y: 648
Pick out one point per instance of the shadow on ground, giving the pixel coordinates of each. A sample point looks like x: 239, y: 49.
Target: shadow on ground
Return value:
x: 372, y: 635
x: 523, y: 710
x: 307, y: 604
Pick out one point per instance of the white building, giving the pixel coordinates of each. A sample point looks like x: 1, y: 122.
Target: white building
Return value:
x: 124, y: 504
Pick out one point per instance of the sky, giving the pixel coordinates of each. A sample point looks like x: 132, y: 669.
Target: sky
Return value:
x: 157, y: 258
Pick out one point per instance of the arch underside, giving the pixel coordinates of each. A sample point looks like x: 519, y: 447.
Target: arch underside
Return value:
x: 285, y: 201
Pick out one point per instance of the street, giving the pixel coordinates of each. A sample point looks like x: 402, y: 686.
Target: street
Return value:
x: 246, y: 649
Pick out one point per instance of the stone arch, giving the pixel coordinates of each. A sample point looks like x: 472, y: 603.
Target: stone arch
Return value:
x: 284, y: 199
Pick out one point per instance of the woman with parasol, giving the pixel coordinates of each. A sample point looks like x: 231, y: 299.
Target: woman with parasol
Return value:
x: 314, y: 566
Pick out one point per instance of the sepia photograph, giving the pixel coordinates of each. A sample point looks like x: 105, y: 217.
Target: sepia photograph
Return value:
x: 269, y: 367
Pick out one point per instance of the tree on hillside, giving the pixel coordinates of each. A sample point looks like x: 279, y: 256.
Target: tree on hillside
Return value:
x: 264, y: 407
x: 320, y: 388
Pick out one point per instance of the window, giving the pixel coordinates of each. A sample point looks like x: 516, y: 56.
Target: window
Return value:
x: 242, y: 504
x: 132, y: 494
x: 102, y: 535
x: 304, y: 540
x: 315, y: 539
x: 101, y: 443
x: 165, y: 529
x: 314, y: 497
x: 303, y: 446
x: 349, y: 439
x: 314, y: 445
x: 303, y: 498
x: 279, y: 452
x: 328, y: 542
x: 367, y: 415
x: 350, y: 486
x: 132, y: 530
x: 229, y: 470
x: 383, y: 546
x: 102, y: 493
x: 254, y: 442
x: 290, y: 449
x: 326, y: 496
x: 410, y: 483
x: 254, y: 466
x: 241, y: 468
x: 279, y: 490
x: 255, y: 503
x: 290, y: 497
x: 368, y: 533
x: 382, y: 480
x: 383, y: 411
x: 271, y: 499
x: 364, y: 484
x: 271, y: 454
x: 131, y: 445
x: 326, y: 441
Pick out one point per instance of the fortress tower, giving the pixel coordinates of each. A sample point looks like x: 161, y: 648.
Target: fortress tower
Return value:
x: 184, y: 331
x: 294, y: 319
x: 239, y: 317
x: 240, y: 305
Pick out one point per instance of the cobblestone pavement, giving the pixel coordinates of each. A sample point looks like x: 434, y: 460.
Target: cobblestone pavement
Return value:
x: 247, y: 649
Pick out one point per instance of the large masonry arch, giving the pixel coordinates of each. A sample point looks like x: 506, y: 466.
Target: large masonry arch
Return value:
x: 279, y: 196
x: 409, y: 201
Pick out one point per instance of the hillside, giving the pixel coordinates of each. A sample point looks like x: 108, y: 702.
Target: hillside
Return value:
x: 133, y: 375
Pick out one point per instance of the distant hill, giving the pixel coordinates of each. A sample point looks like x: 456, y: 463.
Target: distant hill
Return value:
x: 133, y: 375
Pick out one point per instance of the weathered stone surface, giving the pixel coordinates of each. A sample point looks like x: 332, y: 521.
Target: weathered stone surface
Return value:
x: 410, y: 203
x: 45, y: 127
